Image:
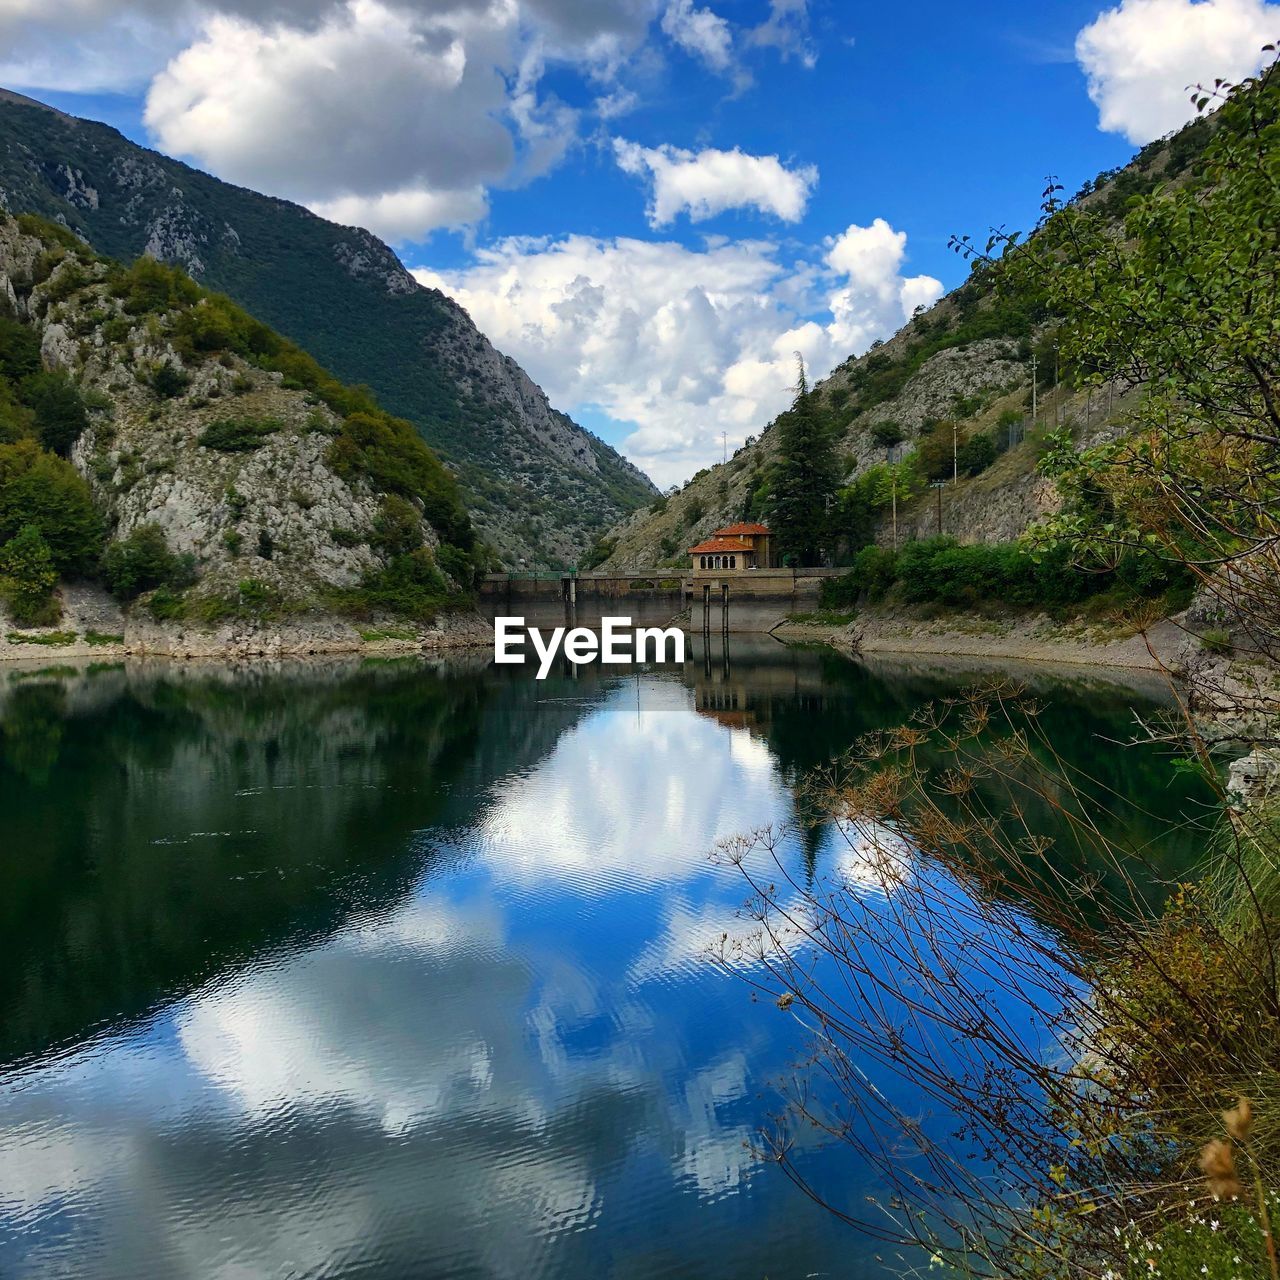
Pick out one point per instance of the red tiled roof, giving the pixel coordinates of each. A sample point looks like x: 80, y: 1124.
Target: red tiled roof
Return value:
x: 740, y: 530
x: 719, y: 544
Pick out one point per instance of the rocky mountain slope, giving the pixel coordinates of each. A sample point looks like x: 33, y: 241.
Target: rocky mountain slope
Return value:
x: 960, y: 371
x: 232, y: 485
x: 540, y: 487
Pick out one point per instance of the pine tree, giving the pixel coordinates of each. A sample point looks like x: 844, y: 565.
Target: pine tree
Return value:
x: 805, y: 479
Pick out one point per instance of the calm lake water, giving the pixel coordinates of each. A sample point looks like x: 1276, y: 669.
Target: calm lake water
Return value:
x: 397, y: 969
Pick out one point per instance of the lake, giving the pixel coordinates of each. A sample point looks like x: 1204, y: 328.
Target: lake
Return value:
x: 398, y: 968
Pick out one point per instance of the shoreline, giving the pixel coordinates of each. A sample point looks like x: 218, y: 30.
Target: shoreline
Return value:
x: 111, y: 639
x: 1035, y: 640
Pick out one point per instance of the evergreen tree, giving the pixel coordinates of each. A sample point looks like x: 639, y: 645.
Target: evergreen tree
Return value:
x: 805, y: 478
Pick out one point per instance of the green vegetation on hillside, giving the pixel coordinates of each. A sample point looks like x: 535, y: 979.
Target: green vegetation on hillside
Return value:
x: 49, y: 528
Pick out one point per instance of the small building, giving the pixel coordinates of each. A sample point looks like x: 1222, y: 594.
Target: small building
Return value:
x: 735, y: 547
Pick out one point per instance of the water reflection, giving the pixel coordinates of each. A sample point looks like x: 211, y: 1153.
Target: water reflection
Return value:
x: 397, y: 971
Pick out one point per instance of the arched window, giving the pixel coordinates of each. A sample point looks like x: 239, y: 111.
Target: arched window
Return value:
x: 733, y: 562
x: 717, y: 562
x: 704, y: 562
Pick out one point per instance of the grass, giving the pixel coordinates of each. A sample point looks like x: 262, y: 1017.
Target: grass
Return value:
x: 99, y: 639
x: 50, y: 639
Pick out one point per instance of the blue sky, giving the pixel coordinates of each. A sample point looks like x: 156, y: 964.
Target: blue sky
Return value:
x: 651, y: 204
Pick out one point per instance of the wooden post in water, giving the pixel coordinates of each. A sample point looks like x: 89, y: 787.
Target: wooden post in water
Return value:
x: 724, y: 610
x: 706, y: 612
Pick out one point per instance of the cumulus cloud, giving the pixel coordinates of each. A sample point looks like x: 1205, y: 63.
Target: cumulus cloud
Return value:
x: 406, y: 215
x: 1142, y: 57
x: 700, y: 32
x: 706, y: 183
x: 420, y: 136
x: 452, y: 97
x: 682, y: 342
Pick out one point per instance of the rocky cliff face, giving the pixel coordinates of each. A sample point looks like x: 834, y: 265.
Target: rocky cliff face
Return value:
x: 270, y: 516
x: 971, y: 385
x: 142, y: 454
x: 541, y: 488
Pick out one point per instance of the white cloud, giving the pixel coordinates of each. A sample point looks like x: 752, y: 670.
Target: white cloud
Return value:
x: 420, y: 137
x: 706, y: 183
x: 787, y: 31
x: 683, y: 342
x: 1143, y: 57
x: 700, y: 32
x: 406, y: 215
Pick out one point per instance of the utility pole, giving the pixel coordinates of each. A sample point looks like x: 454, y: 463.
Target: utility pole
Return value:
x: 1034, y: 362
x: 955, y: 453
x: 1057, y: 399
x: 938, y: 487
x: 724, y: 436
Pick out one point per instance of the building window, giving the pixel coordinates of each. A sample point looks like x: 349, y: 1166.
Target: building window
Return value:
x: 733, y: 562
x: 704, y: 562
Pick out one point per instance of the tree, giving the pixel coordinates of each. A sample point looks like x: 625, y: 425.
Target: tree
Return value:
x: 1180, y: 304
x: 804, y: 481
x: 39, y: 489
x: 886, y: 434
x: 976, y: 454
x: 28, y: 577
x: 59, y: 410
x: 142, y: 561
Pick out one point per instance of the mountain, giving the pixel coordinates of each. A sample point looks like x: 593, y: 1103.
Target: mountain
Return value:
x: 953, y: 389
x: 540, y: 487
x: 156, y: 438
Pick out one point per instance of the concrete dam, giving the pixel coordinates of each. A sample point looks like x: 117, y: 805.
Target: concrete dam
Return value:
x: 746, y: 600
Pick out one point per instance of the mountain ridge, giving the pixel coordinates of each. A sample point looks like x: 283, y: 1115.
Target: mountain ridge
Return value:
x: 962, y: 371
x: 540, y: 486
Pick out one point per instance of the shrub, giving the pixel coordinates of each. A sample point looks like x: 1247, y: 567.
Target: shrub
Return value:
x: 458, y: 564
x: 28, y: 577
x: 59, y: 409
x: 19, y: 350
x: 873, y: 573
x: 168, y: 381
x: 599, y: 553
x: 410, y: 585
x: 143, y: 561
x: 976, y: 454
x: 392, y: 456
x: 397, y: 529
x: 1150, y: 576
x: 155, y: 287
x: 935, y: 453
x: 39, y: 489
x: 238, y: 435
x: 887, y: 434
x: 1216, y: 640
